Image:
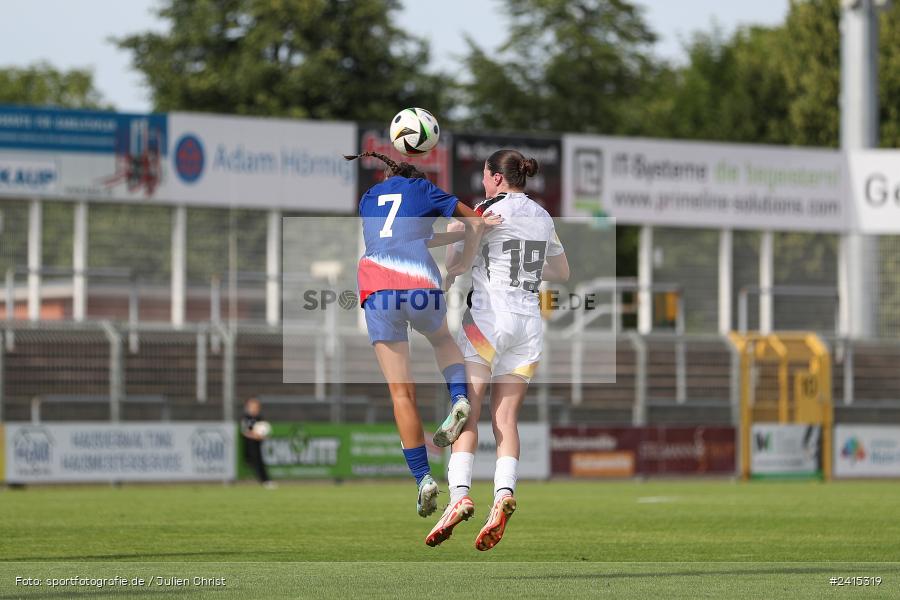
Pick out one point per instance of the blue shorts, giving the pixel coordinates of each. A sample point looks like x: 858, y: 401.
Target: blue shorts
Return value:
x: 389, y: 313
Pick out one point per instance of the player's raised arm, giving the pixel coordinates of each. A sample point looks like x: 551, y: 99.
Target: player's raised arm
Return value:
x: 457, y: 229
x: 445, y: 239
x: 474, y: 225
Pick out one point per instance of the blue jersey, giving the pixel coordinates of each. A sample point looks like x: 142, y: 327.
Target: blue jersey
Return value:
x: 398, y: 220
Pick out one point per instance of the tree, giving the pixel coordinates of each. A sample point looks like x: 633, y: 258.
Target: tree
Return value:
x: 811, y: 64
x: 321, y: 59
x: 42, y: 85
x: 567, y: 65
x: 731, y: 89
x: 889, y: 76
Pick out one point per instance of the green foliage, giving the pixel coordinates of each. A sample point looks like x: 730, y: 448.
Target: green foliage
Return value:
x: 810, y: 57
x: 889, y: 76
x: 565, y: 66
x: 131, y: 236
x: 320, y: 59
x: 732, y: 89
x: 43, y: 85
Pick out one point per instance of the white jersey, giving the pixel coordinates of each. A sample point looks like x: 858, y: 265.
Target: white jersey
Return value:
x: 506, y: 273
x: 502, y: 328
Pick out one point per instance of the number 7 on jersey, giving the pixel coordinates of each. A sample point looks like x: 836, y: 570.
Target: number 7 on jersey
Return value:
x: 395, y: 200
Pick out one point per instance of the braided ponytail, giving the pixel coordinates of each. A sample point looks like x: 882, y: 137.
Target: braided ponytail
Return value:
x: 404, y: 169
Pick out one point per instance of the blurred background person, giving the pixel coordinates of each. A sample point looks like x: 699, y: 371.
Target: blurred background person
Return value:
x: 253, y: 439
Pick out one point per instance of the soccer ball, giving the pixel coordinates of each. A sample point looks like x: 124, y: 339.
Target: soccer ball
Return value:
x: 262, y: 428
x: 414, y: 131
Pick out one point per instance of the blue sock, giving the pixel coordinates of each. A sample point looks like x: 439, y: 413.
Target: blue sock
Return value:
x: 455, y: 376
x: 417, y: 460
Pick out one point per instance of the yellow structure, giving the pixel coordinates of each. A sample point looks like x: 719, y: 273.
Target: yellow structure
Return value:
x: 769, y: 363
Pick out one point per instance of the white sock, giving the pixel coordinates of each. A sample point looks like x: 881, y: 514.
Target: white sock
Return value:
x: 459, y: 474
x: 505, y: 476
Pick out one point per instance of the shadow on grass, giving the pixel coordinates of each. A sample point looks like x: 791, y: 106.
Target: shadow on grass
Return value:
x: 835, y: 569
x: 147, y: 557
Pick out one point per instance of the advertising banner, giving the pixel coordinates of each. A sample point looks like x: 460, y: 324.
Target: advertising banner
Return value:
x: 866, y: 451
x: 336, y: 451
x: 261, y: 163
x: 875, y: 189
x: 534, y: 452
x: 785, y: 450
x: 691, y: 184
x: 435, y: 164
x: 92, y: 452
x: 78, y: 155
x: 178, y: 158
x: 627, y: 451
x: 470, y: 152
x: 687, y: 450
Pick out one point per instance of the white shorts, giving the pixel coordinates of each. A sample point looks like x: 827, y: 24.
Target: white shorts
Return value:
x: 508, y: 343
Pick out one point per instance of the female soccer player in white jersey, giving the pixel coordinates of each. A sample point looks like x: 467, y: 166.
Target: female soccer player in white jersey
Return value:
x: 400, y: 286
x: 501, y: 336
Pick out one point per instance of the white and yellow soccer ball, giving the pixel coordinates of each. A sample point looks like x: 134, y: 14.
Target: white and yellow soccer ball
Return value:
x: 414, y: 131
x: 262, y: 428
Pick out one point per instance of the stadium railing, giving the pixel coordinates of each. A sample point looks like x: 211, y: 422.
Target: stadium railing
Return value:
x: 806, y: 292
x: 203, y: 369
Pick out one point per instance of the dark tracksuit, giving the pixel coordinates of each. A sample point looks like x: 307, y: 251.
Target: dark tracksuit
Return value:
x: 253, y: 448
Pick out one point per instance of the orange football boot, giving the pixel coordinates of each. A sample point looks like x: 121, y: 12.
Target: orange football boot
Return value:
x: 492, y: 532
x: 453, y: 516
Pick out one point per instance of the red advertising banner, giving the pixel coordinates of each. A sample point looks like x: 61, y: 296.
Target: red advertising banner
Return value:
x: 471, y: 150
x: 626, y: 451
x: 435, y: 164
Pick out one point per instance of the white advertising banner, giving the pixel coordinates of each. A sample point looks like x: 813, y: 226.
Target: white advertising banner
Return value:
x: 92, y: 452
x: 691, y: 184
x: 261, y: 163
x: 875, y: 188
x: 866, y: 451
x: 777, y: 449
x: 177, y: 158
x: 534, y: 452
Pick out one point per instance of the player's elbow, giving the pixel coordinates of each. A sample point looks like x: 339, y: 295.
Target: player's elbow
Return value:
x: 557, y: 277
x: 557, y: 270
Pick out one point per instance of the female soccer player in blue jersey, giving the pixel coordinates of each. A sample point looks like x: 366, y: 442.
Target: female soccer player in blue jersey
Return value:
x: 400, y: 286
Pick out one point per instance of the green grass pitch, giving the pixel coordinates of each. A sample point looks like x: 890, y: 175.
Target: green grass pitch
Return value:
x: 658, y: 539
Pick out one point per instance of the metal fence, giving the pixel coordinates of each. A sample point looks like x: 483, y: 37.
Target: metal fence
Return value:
x: 104, y: 370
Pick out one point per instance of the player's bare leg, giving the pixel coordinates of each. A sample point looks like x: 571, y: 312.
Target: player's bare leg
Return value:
x: 446, y: 352
x: 507, y: 395
x: 479, y: 378
x: 393, y: 357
